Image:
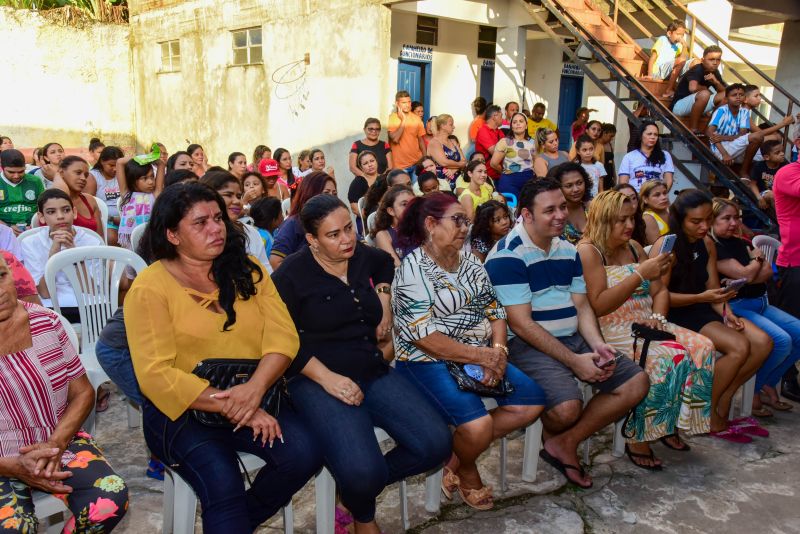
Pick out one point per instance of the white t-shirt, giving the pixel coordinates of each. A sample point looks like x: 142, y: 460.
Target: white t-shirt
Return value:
x: 635, y: 165
x: 255, y: 246
x: 596, y: 171
x: 36, y: 252
x: 107, y: 190
x: 40, y: 174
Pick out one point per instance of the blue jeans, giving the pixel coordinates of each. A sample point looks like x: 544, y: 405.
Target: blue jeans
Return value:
x: 784, y: 329
x: 412, y: 173
x: 205, y: 457
x: 513, y: 182
x: 119, y: 368
x: 347, y: 437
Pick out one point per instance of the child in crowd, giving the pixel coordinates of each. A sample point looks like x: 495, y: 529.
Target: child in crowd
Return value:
x: 303, y: 164
x: 384, y: 231
x: 56, y: 210
x: 654, y: 199
x: 763, y: 173
x: 752, y: 100
x: 254, y: 188
x: 581, y: 123
x: 75, y: 173
x: 18, y: 191
x: 609, y: 132
x: 668, y: 56
x: 106, y: 187
x: 138, y: 188
x: 729, y: 127
x: 267, y: 215
x: 427, y: 182
x: 52, y: 154
x: 585, y: 149
x: 492, y: 223
x: 273, y: 185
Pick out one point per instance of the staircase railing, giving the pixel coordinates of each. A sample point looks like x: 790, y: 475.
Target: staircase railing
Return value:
x: 620, y: 75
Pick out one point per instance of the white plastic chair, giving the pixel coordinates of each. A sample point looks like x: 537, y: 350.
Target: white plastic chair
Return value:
x: 618, y: 445
x: 180, y: 501
x: 136, y: 236
x: 35, y: 221
x: 748, y: 390
x: 103, y: 207
x: 361, y: 203
x: 286, y: 204
x: 94, y: 274
x: 768, y: 246
x: 326, y: 495
x: 371, y: 220
x: 29, y: 233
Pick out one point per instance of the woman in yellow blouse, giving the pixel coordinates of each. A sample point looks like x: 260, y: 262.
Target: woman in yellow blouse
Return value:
x: 204, y: 298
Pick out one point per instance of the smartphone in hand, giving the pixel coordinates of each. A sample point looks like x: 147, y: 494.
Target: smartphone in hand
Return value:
x: 618, y: 355
x: 734, y: 285
x: 668, y: 243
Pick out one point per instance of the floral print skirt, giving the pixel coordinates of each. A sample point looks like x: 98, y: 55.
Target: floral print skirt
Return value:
x: 98, y: 501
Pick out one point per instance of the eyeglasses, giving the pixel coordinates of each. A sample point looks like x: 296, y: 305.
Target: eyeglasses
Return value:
x: 373, y: 129
x: 460, y: 220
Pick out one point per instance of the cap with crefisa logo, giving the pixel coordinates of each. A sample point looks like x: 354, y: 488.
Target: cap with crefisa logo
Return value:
x: 268, y: 167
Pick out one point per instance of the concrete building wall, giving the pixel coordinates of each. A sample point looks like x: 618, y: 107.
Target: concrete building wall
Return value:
x: 229, y: 108
x: 788, y: 69
x: 543, y: 75
x: 64, y: 83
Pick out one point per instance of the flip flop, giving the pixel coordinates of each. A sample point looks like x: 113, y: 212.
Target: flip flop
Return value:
x: 473, y: 497
x: 732, y: 434
x: 450, y: 482
x: 667, y: 444
x: 561, y: 467
x: 631, y: 455
x: 102, y: 400
x: 777, y: 405
x: 762, y: 412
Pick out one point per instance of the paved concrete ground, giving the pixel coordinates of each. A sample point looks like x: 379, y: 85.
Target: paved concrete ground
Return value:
x: 717, y: 487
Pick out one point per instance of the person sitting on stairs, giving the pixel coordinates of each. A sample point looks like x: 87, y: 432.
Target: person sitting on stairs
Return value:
x: 700, y: 89
x: 729, y: 129
x: 668, y: 57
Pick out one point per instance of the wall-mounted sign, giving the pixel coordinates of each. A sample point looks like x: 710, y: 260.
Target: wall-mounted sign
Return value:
x: 488, y: 63
x: 416, y: 53
x: 572, y: 69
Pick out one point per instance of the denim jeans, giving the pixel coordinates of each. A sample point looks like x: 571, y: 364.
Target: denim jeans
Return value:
x: 205, y: 457
x: 784, y: 329
x: 119, y: 368
x: 347, y: 437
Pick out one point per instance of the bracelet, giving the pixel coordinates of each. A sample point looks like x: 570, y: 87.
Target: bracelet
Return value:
x: 384, y: 289
x: 658, y: 317
x: 502, y: 347
x: 636, y: 272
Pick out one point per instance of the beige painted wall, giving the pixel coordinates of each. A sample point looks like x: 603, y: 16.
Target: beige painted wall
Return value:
x: 64, y: 84
x: 230, y: 108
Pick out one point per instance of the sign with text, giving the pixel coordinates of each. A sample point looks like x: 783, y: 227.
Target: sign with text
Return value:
x: 488, y: 63
x: 416, y: 53
x: 572, y: 69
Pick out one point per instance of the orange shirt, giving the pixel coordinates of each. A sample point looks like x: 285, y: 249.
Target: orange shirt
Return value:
x: 407, y: 152
x: 474, y: 126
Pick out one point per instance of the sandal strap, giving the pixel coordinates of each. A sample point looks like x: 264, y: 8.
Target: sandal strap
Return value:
x: 478, y: 495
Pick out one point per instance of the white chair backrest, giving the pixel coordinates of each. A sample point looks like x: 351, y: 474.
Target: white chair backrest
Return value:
x: 286, y: 203
x: 94, y: 274
x: 136, y: 236
x: 30, y: 233
x: 647, y: 249
x: 768, y: 245
x: 103, y: 207
x: 361, y: 203
x: 71, y: 334
x: 371, y: 221
x: 35, y: 221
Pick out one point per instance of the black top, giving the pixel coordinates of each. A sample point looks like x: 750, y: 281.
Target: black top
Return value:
x: 694, y: 281
x: 696, y: 73
x: 336, y: 321
x: 380, y: 150
x: 763, y: 176
x: 358, y: 188
x: 738, y: 249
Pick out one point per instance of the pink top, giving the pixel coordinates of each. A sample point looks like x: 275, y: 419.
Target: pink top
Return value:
x: 34, y: 383
x: 786, y: 188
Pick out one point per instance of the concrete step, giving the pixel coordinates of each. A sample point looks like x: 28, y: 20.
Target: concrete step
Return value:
x: 621, y: 50
x: 587, y: 17
x: 602, y: 32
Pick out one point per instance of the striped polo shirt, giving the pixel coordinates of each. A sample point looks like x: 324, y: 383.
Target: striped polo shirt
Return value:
x: 523, y: 273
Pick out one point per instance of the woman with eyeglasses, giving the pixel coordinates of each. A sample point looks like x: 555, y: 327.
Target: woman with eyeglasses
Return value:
x: 230, y: 189
x: 371, y: 142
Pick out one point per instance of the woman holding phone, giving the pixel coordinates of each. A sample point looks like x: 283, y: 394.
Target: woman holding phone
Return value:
x: 698, y: 303
x: 624, y: 287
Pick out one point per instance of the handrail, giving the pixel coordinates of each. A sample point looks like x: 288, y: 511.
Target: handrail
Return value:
x: 681, y: 132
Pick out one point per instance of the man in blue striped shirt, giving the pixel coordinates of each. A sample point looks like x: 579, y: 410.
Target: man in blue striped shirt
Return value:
x: 554, y: 336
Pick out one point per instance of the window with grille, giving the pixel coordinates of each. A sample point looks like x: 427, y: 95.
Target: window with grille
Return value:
x: 247, y: 46
x: 427, y: 30
x: 487, y: 42
x: 170, y: 56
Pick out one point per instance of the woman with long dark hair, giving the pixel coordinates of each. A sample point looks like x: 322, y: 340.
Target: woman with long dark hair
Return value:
x: 203, y: 297
x: 514, y: 156
x: 697, y: 302
x: 648, y: 161
x: 576, y: 186
x: 290, y: 237
x: 391, y: 209
x: 199, y: 159
x: 286, y: 176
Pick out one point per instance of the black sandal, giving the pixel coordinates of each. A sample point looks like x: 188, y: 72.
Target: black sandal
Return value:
x: 561, y: 467
x: 651, y: 457
x: 664, y: 440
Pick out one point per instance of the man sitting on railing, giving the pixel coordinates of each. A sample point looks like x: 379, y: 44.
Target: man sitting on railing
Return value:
x: 700, y: 89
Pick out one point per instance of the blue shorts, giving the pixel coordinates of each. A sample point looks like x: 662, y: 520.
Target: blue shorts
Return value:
x: 458, y: 407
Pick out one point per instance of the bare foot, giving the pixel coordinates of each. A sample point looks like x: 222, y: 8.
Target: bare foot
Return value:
x: 366, y: 528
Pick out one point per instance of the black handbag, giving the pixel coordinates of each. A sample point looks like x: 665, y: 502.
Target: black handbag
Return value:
x: 469, y: 384
x: 223, y: 374
x: 648, y: 334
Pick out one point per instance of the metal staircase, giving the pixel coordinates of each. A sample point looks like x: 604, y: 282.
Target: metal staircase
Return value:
x: 596, y: 29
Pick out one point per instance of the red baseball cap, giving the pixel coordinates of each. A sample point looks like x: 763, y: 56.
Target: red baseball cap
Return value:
x: 268, y: 167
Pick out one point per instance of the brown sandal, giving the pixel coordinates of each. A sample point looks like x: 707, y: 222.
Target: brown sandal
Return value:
x: 474, y: 497
x: 450, y: 482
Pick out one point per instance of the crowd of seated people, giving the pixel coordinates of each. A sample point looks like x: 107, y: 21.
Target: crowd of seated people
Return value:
x: 510, y: 267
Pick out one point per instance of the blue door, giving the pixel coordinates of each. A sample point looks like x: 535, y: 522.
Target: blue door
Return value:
x: 416, y: 79
x: 487, y: 82
x: 570, y: 97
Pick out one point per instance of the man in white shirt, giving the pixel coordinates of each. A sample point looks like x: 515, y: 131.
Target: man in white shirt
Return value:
x: 55, y: 209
